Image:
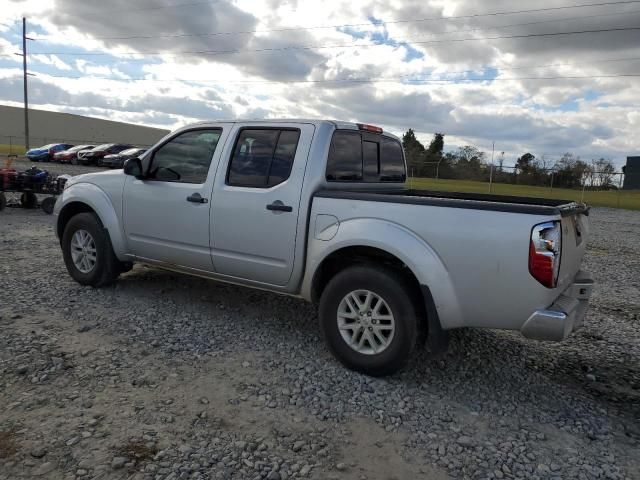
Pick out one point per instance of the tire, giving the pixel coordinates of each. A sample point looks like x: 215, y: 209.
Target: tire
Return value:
x: 74, y: 161
x: 48, y: 204
x: 105, y: 269
x: 396, y: 294
x: 28, y: 200
x: 3, y: 201
x: 125, y: 267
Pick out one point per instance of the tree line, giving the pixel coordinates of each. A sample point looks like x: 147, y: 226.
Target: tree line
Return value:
x: 470, y: 163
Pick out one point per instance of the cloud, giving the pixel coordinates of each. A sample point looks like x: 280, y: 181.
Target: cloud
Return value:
x: 591, y: 115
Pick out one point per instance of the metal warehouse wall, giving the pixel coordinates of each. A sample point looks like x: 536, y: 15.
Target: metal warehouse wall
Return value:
x: 50, y: 127
x: 632, y: 174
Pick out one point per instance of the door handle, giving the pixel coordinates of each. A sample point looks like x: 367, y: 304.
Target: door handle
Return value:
x: 196, y: 198
x: 278, y: 206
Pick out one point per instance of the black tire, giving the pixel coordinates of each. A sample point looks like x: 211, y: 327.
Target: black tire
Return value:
x: 74, y: 161
x: 3, y: 201
x: 106, y: 269
x: 397, y: 293
x: 125, y: 267
x: 28, y: 200
x: 48, y: 204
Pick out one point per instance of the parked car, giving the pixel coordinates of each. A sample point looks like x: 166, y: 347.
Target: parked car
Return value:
x: 46, y: 152
x: 116, y: 160
x: 95, y: 155
x: 70, y: 155
x: 320, y: 210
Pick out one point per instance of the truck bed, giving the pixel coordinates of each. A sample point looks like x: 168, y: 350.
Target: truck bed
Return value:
x: 476, y: 201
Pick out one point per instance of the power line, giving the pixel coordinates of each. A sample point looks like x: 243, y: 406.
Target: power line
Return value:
x: 410, y: 81
x: 390, y: 22
x: 318, y: 47
x: 410, y: 77
x: 497, y: 27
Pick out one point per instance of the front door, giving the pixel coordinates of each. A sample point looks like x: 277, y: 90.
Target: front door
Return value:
x: 256, y: 201
x: 166, y: 215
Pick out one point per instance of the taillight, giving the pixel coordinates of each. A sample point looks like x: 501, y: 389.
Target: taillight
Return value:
x: 369, y: 128
x: 544, y: 253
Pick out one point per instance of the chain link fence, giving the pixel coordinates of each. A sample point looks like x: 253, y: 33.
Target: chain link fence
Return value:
x: 591, y: 186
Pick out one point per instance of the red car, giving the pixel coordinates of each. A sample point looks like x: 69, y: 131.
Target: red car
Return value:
x: 70, y: 155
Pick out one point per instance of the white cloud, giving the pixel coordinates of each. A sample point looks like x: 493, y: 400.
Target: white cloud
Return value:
x: 591, y: 116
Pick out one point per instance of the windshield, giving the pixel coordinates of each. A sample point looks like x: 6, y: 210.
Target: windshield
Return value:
x: 104, y: 146
x: 78, y: 148
x: 130, y: 151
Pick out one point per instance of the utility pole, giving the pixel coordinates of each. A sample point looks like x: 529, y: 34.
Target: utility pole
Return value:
x: 24, y: 73
x: 493, y: 149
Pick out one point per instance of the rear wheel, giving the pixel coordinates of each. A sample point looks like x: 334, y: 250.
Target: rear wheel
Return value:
x: 28, y: 200
x: 369, y: 319
x: 87, y: 251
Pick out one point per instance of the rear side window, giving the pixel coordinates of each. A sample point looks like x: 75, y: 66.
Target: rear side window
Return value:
x: 364, y: 157
x: 262, y: 158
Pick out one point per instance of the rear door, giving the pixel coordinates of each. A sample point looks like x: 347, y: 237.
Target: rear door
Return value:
x: 256, y: 200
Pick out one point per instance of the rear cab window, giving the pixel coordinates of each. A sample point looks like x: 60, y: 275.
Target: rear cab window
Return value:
x: 359, y: 156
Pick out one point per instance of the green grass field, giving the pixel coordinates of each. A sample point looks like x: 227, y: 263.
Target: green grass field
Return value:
x: 629, y: 199
x: 5, y: 149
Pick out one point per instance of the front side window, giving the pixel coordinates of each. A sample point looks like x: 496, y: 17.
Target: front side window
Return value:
x: 185, y: 158
x: 262, y: 158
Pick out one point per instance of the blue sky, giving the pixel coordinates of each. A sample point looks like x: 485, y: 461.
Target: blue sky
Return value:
x: 430, y: 66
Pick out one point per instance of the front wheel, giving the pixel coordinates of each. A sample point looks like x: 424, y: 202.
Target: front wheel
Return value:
x: 48, y: 204
x: 87, y: 251
x: 369, y: 319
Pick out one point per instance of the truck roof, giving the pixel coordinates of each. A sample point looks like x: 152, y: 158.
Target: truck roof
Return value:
x: 314, y: 121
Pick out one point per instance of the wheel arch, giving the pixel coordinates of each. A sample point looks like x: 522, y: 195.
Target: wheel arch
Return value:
x: 84, y: 197
x: 394, y: 245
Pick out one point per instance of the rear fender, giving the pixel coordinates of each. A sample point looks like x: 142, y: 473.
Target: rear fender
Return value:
x: 399, y: 241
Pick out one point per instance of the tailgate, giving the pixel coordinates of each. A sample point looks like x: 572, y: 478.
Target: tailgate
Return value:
x: 575, y: 232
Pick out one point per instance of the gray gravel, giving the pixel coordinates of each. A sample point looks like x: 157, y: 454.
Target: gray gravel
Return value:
x: 166, y: 377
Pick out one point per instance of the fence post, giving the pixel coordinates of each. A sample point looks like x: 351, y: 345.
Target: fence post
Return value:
x: 493, y: 149
x: 619, y: 190
x: 551, y: 181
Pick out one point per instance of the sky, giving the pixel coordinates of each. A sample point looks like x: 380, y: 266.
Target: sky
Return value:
x: 516, y: 74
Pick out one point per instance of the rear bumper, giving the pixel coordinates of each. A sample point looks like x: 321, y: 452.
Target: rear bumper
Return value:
x: 87, y: 160
x: 565, y: 315
x: 112, y: 163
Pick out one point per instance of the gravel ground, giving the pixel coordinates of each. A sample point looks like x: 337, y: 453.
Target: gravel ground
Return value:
x: 165, y: 376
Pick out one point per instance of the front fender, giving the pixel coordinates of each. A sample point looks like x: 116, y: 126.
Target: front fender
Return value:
x: 399, y: 241
x: 98, y: 200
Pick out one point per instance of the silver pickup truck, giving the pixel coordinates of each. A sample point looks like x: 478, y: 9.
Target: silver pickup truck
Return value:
x: 321, y: 210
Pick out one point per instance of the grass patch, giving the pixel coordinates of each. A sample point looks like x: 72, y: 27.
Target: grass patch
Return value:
x: 6, y: 149
x: 137, y: 451
x: 629, y: 199
x: 8, y: 445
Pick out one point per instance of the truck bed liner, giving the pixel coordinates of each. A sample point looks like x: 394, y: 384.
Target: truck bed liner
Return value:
x: 476, y: 201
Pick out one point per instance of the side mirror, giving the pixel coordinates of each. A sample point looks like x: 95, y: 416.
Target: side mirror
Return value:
x: 133, y: 167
